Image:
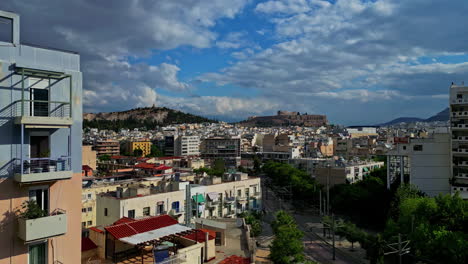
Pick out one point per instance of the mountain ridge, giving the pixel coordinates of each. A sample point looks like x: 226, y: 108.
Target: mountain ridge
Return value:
x: 441, y: 116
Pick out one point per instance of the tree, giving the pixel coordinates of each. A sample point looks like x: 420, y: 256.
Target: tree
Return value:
x: 138, y: 152
x: 104, y: 157
x: 155, y: 152
x: 287, y: 247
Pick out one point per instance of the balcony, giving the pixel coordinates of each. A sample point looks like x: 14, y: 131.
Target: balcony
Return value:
x: 229, y: 200
x: 461, y: 163
x: 459, y: 101
x: 460, y: 138
x: 42, y: 169
x: 40, y: 228
x: 462, y: 114
x: 43, y: 114
x: 461, y: 175
x: 459, y: 126
x: 212, y: 204
x: 460, y: 151
x: 241, y: 199
x: 463, y: 191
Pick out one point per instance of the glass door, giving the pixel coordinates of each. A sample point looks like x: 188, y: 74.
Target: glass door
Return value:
x: 40, y: 102
x: 38, y: 253
x: 41, y: 197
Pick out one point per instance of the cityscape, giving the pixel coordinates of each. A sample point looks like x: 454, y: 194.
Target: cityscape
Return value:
x: 219, y: 132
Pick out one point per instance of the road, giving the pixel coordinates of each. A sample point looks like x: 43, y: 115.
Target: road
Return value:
x: 315, y: 248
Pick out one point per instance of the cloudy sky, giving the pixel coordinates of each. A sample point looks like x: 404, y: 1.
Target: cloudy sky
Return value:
x: 359, y: 62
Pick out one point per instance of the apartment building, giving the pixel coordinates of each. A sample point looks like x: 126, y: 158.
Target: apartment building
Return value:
x: 107, y: 147
x: 131, y: 146
x: 345, y: 172
x: 187, y: 146
x: 40, y: 150
x: 222, y: 147
x: 211, y: 198
x: 424, y: 162
x: 459, y: 139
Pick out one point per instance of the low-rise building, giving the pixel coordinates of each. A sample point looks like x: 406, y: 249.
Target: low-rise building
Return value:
x: 107, y: 147
x: 345, y: 172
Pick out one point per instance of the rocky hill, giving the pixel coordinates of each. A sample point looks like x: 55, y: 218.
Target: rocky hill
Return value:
x: 149, y: 118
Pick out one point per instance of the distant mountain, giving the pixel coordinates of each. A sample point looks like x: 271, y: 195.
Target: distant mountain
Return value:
x: 148, y: 117
x: 442, y: 116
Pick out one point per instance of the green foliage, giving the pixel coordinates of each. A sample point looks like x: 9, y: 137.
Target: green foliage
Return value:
x: 138, y: 152
x: 31, y: 210
x: 254, y: 219
x: 365, y: 202
x: 219, y: 165
x: 104, y: 157
x: 437, y: 227
x: 155, y: 152
x: 210, y: 172
x: 302, y: 184
x: 173, y: 117
x: 287, y: 247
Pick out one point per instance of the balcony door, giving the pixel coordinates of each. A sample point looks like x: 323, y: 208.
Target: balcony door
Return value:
x: 39, y: 147
x: 39, y: 96
x: 38, y: 253
x: 41, y: 196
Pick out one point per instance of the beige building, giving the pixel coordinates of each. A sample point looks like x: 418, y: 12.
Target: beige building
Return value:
x: 89, y: 157
x: 215, y: 198
x: 107, y: 147
x: 347, y: 173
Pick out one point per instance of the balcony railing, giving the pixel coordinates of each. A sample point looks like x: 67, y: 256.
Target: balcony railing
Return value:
x: 42, y: 169
x: 460, y: 101
x: 40, y: 108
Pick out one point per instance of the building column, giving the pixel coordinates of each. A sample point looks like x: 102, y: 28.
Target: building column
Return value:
x: 388, y: 172
x: 402, y: 169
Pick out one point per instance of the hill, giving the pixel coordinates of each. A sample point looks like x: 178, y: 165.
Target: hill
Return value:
x: 148, y: 117
x: 442, y: 116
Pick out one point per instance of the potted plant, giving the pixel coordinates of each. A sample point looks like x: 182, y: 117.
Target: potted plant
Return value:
x: 31, y: 210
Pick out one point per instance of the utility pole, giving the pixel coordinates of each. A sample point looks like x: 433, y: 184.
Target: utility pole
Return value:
x: 320, y: 201
x: 328, y: 189
x: 333, y: 226
x: 401, y: 247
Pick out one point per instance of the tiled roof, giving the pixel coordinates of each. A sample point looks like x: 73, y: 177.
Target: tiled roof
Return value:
x: 199, y: 236
x: 144, y: 165
x: 235, y: 260
x: 87, y: 244
x: 140, y: 226
x: 86, y: 168
x: 96, y: 229
x: 163, y: 167
x: 124, y: 220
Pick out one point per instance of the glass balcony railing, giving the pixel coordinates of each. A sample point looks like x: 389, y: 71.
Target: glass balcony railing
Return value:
x: 42, y: 169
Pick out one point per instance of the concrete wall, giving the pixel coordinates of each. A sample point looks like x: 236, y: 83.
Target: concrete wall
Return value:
x: 89, y: 157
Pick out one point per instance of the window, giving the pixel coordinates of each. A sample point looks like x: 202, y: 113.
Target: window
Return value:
x: 404, y: 147
x: 41, y: 196
x: 90, y: 223
x: 90, y: 209
x: 83, y: 197
x: 83, y: 210
x: 90, y: 195
x: 417, y: 147
x: 6, y: 29
x: 175, y: 206
x: 38, y: 253
x: 459, y: 96
x: 105, y: 211
x: 131, y: 214
x: 146, y: 211
x: 83, y: 224
x: 239, y: 192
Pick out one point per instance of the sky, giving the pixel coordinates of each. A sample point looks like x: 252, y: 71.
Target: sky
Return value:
x: 357, y: 61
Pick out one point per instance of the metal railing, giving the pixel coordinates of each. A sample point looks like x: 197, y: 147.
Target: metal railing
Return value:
x: 180, y: 258
x: 41, y: 165
x: 42, y: 108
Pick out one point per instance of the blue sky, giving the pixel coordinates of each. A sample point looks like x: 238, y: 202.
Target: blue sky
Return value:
x: 359, y: 62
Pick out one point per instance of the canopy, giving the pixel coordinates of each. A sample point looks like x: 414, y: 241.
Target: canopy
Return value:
x: 199, y: 198
x: 365, y: 169
x: 213, y: 196
x: 155, y: 234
